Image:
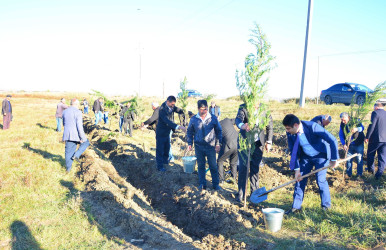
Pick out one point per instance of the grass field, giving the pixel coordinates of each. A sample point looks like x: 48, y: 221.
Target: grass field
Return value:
x: 37, y: 211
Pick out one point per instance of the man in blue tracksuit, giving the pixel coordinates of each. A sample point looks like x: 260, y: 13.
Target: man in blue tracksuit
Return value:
x: 311, y: 146
x: 356, y: 144
x: 205, y: 130
x: 322, y: 120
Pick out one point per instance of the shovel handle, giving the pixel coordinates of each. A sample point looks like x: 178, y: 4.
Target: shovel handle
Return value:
x: 311, y: 173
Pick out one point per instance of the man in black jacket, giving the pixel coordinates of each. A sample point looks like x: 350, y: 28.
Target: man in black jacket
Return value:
x: 376, y: 137
x: 128, y: 118
x: 228, y: 148
x: 164, y: 127
x: 264, y: 139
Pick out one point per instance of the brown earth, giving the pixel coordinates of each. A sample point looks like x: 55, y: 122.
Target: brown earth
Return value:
x: 132, y: 200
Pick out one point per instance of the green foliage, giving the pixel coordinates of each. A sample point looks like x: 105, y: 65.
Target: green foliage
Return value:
x: 107, y: 103
x: 359, y: 112
x: 209, y: 97
x: 183, y: 97
x: 104, y: 138
x: 252, y: 83
x: 135, y: 107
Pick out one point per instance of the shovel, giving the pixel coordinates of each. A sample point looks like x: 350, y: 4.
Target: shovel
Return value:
x: 261, y: 194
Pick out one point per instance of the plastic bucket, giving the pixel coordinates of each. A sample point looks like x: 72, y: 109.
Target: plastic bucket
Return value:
x: 189, y: 163
x: 273, y: 218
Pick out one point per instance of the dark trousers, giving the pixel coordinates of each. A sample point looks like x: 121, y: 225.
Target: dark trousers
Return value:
x: 379, y: 148
x: 128, y: 125
x: 7, y: 121
x: 307, y: 163
x: 71, y: 152
x: 227, y: 153
x: 210, y: 154
x: 256, y: 157
x: 162, y: 150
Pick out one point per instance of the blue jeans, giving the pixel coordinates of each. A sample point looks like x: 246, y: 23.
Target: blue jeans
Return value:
x: 120, y: 123
x: 85, y: 110
x: 162, y: 151
x: 210, y: 154
x: 306, y: 165
x: 106, y: 117
x: 171, y: 157
x: 71, y: 152
x: 352, y: 150
x: 59, y: 122
x: 98, y: 117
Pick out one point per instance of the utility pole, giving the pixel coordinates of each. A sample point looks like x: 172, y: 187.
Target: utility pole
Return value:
x: 309, y: 21
x: 317, y: 85
x: 163, y: 90
x: 140, y: 71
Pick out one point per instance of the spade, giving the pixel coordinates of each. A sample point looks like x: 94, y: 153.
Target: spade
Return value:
x: 260, y: 195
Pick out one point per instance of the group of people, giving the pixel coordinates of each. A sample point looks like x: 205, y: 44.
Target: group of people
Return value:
x: 310, y: 145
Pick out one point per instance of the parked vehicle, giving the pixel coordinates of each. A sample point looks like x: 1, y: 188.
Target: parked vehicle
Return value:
x: 191, y: 93
x: 344, y: 92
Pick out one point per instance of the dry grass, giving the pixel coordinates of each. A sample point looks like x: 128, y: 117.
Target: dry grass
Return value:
x: 32, y: 167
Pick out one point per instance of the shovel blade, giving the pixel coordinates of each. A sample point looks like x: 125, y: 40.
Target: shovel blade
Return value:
x: 257, y: 196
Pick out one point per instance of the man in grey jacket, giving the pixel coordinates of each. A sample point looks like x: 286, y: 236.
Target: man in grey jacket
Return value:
x: 73, y: 133
x: 206, y: 131
x: 7, y: 112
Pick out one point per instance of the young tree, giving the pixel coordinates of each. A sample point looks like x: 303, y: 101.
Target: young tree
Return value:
x: 183, y: 96
x: 358, y: 113
x: 252, y: 83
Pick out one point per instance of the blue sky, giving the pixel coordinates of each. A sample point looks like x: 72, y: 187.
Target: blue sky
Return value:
x: 83, y: 45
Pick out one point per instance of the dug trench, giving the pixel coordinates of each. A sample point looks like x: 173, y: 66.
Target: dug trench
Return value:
x: 203, y: 219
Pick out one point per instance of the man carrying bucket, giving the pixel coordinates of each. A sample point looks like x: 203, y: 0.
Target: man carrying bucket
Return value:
x: 311, y: 146
x: 206, y: 131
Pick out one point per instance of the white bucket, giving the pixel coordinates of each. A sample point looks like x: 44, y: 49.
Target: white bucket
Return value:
x: 273, y: 218
x: 189, y: 163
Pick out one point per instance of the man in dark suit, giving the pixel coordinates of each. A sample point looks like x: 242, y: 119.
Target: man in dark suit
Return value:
x: 322, y: 120
x: 311, y: 146
x: 164, y: 127
x: 376, y: 137
x: 7, y: 112
x: 263, y: 139
x: 228, y: 148
x: 73, y: 133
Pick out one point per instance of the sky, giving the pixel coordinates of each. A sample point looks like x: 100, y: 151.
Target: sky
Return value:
x: 147, y: 47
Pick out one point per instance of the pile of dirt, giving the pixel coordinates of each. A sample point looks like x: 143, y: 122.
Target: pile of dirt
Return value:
x: 207, y: 218
x: 124, y: 211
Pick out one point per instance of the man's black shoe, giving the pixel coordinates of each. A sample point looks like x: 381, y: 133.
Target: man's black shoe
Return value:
x: 75, y: 159
x: 326, y: 208
x: 201, y: 187
x: 217, y: 188
x: 292, y: 211
x: 162, y: 169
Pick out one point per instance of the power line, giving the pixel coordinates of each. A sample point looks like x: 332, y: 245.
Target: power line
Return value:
x: 354, y: 52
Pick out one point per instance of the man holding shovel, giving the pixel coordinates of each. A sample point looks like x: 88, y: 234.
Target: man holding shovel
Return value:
x: 312, y: 146
x: 263, y: 139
